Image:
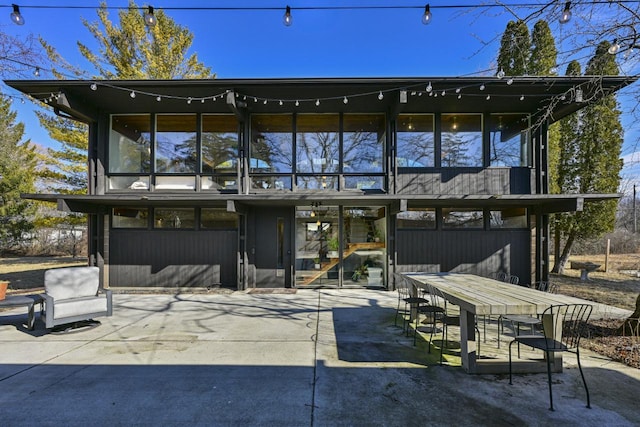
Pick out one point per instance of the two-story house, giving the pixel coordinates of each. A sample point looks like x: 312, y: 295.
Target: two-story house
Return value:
x: 317, y: 182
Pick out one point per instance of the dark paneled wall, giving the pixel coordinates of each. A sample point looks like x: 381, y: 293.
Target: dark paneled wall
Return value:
x: 465, y: 251
x: 465, y: 181
x: 164, y: 258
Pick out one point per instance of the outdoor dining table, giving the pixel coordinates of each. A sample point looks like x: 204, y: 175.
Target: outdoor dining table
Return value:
x: 483, y: 296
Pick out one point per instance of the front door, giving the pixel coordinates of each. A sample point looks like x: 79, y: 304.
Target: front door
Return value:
x: 272, y: 247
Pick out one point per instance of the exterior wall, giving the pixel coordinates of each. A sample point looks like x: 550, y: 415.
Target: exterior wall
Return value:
x: 465, y: 181
x: 163, y: 258
x: 465, y: 251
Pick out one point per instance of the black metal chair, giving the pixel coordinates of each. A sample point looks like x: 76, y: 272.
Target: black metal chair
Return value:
x: 568, y: 320
x: 408, y: 297
x: 546, y: 286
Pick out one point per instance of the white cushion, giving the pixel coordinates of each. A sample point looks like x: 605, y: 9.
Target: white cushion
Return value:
x: 71, y: 282
x: 79, y: 306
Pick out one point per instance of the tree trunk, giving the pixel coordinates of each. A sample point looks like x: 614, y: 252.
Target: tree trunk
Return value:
x: 631, y: 326
x: 564, y: 257
x: 556, y: 249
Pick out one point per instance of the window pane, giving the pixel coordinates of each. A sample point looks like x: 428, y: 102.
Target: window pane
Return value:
x: 363, y: 182
x: 130, y: 144
x: 129, y: 182
x: 271, y: 143
x: 219, y: 143
x: 415, y: 141
x: 176, y: 143
x: 509, y: 140
x: 218, y: 218
x: 461, y: 140
x: 317, y: 182
x: 228, y: 182
x: 174, y: 218
x: 129, y: 218
x: 462, y: 218
x: 509, y: 218
x: 317, y: 143
x: 417, y: 218
x: 363, y: 142
x: 265, y: 182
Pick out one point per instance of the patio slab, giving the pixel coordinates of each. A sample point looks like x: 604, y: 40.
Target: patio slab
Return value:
x: 318, y: 358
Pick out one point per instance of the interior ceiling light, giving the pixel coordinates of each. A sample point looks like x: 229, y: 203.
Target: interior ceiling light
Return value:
x: 16, y: 17
x: 566, y: 13
x: 149, y: 18
x: 426, y: 17
x: 287, y: 19
x: 614, y: 48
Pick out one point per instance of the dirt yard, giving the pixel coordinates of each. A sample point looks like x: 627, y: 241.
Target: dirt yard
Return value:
x: 619, y: 286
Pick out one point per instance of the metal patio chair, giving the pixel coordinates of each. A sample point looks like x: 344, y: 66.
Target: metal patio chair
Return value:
x: 406, y: 297
x: 569, y: 320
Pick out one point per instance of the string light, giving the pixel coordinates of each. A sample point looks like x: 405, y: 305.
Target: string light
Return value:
x: 510, y: 81
x: 345, y: 100
x: 500, y: 73
x: 287, y: 20
x: 317, y: 102
x: 566, y: 13
x: 614, y: 48
x: 132, y: 94
x: 36, y: 72
x: 380, y: 96
x: 426, y: 16
x: 94, y: 86
x: 158, y: 98
x: 149, y: 18
x: 482, y: 87
x: 429, y: 88
x: 15, y: 16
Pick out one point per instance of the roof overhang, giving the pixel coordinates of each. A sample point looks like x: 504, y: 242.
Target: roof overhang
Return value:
x: 538, y: 203
x: 548, y: 97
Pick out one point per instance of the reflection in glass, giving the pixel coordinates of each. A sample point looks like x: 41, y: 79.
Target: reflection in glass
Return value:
x: 318, y: 143
x: 219, y: 143
x: 365, y: 231
x: 218, y: 219
x: 363, y: 142
x: 364, y: 182
x: 509, y: 140
x: 509, y: 218
x: 417, y: 218
x: 176, y: 143
x: 415, y: 141
x: 317, y: 246
x: 461, y: 140
x: 462, y: 218
x: 174, y: 218
x: 268, y: 182
x: 271, y: 143
x: 129, y: 217
x: 323, y: 182
x: 130, y: 144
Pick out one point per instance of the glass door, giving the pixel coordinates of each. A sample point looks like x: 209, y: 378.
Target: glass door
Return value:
x: 364, y: 250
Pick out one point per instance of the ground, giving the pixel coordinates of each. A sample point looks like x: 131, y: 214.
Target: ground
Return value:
x: 619, y: 286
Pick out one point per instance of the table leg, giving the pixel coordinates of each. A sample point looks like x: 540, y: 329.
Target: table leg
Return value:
x: 31, y: 320
x: 468, y: 349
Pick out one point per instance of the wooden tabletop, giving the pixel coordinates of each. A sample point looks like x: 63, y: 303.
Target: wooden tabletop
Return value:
x: 484, y: 296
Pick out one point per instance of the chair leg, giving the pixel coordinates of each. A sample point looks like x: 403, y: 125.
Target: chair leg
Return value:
x: 510, y: 372
x: 548, y: 357
x: 584, y: 381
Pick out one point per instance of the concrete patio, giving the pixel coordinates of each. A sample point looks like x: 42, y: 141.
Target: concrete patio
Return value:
x: 313, y: 358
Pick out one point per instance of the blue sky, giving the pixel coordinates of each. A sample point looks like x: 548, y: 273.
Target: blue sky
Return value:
x: 320, y: 43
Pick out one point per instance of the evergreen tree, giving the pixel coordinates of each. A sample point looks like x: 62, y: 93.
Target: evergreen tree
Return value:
x: 130, y: 50
x: 515, y: 49
x: 17, y: 175
x: 592, y: 160
x: 543, y: 53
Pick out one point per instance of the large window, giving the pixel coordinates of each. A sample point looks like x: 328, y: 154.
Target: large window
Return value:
x: 363, y: 143
x: 174, y: 218
x: 271, y: 143
x: 509, y: 140
x: 318, y: 143
x: 417, y: 218
x: 130, y: 144
x: 219, y: 143
x: 509, y: 218
x: 130, y: 217
x: 461, y: 140
x: 415, y: 141
x: 176, y: 143
x: 462, y: 218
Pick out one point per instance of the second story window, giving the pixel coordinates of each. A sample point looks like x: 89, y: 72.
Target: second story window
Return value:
x: 176, y: 142
x: 461, y: 140
x: 318, y: 143
x: 509, y: 140
x: 415, y: 141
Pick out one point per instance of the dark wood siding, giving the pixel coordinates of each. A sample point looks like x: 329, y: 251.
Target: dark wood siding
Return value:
x: 162, y: 258
x: 465, y: 181
x: 465, y: 251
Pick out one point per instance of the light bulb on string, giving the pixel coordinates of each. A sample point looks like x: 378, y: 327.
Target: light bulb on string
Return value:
x: 510, y: 81
x: 297, y: 103
x: 280, y: 103
x: 380, y: 96
x: 158, y: 98
x: 614, y: 48
x: 94, y: 86
x: 287, y: 20
x: 36, y: 72
x: 345, y: 100
x: 482, y: 87
x: 132, y: 94
x: 566, y: 13
x: 521, y: 97
x: 426, y: 16
x: 500, y: 73
x: 149, y: 18
x: 15, y: 16
x: 189, y: 100
x: 317, y: 102
x: 202, y: 101
x: 429, y: 88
